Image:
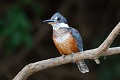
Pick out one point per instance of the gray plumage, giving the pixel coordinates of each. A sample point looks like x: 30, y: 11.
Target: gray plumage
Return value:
x: 78, y: 38
x: 60, y: 17
x: 81, y: 64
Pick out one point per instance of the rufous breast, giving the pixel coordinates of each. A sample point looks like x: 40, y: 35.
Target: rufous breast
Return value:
x: 65, y: 43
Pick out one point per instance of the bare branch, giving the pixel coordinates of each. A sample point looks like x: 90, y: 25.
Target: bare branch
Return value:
x: 102, y: 50
x: 41, y: 65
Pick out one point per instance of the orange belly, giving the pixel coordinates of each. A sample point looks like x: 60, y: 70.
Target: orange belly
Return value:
x: 66, y: 46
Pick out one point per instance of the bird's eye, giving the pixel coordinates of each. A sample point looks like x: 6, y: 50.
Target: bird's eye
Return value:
x: 58, y: 19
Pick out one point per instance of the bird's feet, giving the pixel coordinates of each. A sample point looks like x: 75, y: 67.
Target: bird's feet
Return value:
x: 63, y: 56
x: 72, y: 54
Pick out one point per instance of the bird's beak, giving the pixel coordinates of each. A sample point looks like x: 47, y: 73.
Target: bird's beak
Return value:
x: 50, y: 21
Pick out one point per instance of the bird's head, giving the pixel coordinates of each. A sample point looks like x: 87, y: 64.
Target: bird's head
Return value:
x: 57, y: 21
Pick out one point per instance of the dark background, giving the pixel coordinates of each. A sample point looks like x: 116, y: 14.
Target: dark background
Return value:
x: 24, y: 38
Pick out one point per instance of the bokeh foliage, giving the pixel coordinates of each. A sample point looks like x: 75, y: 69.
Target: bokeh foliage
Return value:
x: 15, y: 29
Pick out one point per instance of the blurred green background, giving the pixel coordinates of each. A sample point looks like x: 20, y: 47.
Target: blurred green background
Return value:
x: 24, y: 38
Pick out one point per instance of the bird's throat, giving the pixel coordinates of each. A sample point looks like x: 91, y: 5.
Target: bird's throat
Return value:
x: 59, y: 25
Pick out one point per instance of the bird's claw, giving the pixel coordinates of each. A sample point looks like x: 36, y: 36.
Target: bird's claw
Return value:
x: 63, y: 56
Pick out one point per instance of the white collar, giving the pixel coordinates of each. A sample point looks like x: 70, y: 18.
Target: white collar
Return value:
x: 58, y: 25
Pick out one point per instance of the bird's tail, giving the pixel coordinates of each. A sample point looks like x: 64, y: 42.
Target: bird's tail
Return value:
x: 82, y: 66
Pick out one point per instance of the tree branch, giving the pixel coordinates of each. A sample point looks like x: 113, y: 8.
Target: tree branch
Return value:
x: 102, y: 50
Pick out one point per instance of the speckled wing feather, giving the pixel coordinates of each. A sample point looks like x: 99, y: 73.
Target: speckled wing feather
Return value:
x: 78, y: 38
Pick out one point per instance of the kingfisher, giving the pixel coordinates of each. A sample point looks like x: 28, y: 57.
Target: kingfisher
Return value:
x: 66, y: 39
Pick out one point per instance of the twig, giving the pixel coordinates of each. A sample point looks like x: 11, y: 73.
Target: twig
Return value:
x: 102, y: 50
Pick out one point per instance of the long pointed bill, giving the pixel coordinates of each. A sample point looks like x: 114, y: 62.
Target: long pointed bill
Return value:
x: 50, y: 21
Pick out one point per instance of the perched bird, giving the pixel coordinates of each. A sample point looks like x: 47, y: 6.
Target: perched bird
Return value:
x: 66, y: 39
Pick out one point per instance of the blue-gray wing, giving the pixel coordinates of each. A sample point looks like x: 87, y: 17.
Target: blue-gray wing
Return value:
x: 78, y: 38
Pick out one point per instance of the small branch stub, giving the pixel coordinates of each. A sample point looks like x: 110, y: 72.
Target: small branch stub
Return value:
x: 97, y: 61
